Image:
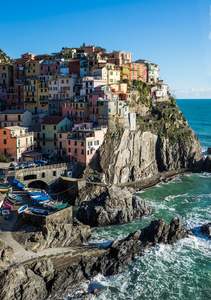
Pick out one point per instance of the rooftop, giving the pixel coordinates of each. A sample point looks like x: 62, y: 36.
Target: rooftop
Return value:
x: 15, y: 111
x: 52, y: 120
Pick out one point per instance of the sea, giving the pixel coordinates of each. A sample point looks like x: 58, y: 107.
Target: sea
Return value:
x: 183, y: 270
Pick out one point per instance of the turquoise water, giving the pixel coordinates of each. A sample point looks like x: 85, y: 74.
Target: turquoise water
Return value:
x: 181, y: 271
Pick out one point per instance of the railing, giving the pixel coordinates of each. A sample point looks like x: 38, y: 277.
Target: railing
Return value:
x: 35, y: 169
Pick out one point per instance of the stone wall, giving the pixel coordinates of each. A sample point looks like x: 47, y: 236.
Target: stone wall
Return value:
x: 72, y: 186
x: 61, y: 216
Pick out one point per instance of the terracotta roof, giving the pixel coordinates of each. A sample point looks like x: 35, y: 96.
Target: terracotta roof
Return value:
x: 34, y: 60
x: 52, y: 120
x: 3, y: 64
x: 20, y: 60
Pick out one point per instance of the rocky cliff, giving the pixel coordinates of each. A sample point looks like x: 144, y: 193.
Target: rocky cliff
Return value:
x: 165, y: 143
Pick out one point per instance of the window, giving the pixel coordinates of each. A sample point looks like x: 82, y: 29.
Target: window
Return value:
x: 68, y: 142
x: 75, y: 151
x: 5, y: 141
x: 60, y: 135
x: 75, y: 143
x: 26, y: 141
x: 4, y: 132
x: 54, y: 127
x: 43, y: 143
x: 55, y: 144
x: 5, y: 124
x: 5, y: 118
x: 82, y: 151
x: 43, y: 175
x: 109, y: 110
x: 54, y: 173
x: 82, y: 143
x: 69, y: 150
x: 43, y: 127
x: 88, y: 152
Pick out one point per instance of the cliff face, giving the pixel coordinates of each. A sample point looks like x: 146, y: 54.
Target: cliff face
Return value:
x: 129, y: 156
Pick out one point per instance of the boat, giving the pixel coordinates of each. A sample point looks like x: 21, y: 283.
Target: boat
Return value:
x: 12, y: 201
x: 38, y: 199
x: 1, y: 202
x: 21, y: 186
x: 6, y: 214
x: 39, y: 211
x: 5, y: 189
x: 14, y: 197
x: 37, y: 194
x: 2, y: 176
x: 15, y: 181
x: 4, y: 184
x: 33, y: 190
x: 43, y: 202
x: 7, y: 205
x: 60, y: 206
x: 22, y: 208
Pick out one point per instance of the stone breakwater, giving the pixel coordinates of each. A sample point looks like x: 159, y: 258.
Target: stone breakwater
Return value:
x: 55, y: 277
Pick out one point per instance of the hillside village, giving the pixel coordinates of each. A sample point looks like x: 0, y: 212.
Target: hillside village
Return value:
x: 61, y: 105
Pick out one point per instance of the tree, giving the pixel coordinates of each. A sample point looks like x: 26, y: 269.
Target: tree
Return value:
x: 3, y: 158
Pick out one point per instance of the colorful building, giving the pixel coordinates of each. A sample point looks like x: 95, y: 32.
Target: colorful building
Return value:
x: 15, y: 141
x: 136, y: 71
x: 84, y: 141
x: 113, y: 73
x: 6, y: 75
x: 49, y: 67
x: 50, y: 128
x: 10, y: 118
x: 32, y: 68
x: 60, y: 89
x: 120, y: 57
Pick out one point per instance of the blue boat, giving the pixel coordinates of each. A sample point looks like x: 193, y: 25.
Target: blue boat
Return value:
x: 22, y: 208
x: 39, y: 211
x: 37, y: 194
x: 21, y: 186
x: 15, y: 181
x: 43, y: 202
x: 2, y: 175
x: 38, y: 199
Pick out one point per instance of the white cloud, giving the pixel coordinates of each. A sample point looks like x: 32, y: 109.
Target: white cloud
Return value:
x: 193, y: 93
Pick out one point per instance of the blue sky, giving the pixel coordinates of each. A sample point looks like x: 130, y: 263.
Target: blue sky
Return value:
x: 174, y: 34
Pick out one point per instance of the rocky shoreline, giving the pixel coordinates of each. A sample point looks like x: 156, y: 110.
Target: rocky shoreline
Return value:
x: 54, y: 278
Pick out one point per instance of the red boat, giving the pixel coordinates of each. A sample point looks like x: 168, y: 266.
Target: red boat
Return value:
x: 7, y: 205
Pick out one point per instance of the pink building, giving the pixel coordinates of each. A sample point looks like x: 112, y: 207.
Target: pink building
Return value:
x: 16, y: 141
x: 119, y: 57
x: 15, y: 118
x: 49, y: 67
x: 60, y: 89
x: 83, y: 142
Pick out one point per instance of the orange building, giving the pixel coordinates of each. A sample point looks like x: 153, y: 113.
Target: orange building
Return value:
x: 137, y: 71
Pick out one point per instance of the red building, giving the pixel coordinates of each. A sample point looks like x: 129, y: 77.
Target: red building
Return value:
x: 74, y: 67
x: 19, y: 69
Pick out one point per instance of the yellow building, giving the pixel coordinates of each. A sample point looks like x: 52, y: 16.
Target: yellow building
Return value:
x: 36, y: 94
x: 113, y: 73
x: 51, y: 127
x: 125, y: 72
x: 33, y: 67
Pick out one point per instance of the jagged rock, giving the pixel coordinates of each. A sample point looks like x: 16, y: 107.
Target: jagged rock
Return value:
x: 62, y: 235
x: 206, y: 230
x: 207, y: 164
x: 22, y: 283
x: 6, y: 255
x: 119, y: 254
x: 112, y: 206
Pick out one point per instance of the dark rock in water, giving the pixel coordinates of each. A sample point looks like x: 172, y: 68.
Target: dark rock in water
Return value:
x: 206, y: 230
x: 57, y: 277
x: 209, y: 150
x: 112, y: 206
x: 207, y: 164
x: 120, y: 253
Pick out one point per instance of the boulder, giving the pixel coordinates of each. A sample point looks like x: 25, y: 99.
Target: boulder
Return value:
x: 207, y: 164
x: 112, y: 206
x: 206, y: 230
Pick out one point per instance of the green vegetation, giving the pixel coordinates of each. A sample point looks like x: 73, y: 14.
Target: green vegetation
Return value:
x: 4, y: 58
x: 3, y: 158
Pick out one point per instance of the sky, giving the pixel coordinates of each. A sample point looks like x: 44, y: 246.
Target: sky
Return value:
x: 174, y: 34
